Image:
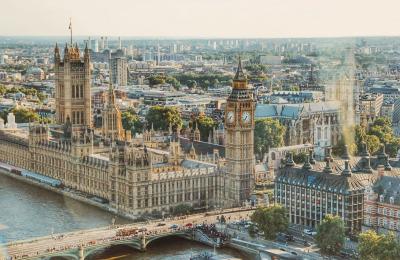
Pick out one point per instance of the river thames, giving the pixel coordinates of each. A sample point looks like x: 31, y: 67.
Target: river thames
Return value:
x: 28, y: 211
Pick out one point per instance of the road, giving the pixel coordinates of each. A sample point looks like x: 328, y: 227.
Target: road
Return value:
x: 310, y: 252
x: 61, y: 242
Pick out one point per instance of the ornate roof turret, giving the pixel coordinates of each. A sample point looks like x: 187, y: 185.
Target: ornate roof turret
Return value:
x: 346, y: 155
x: 56, y: 53
x: 346, y: 171
x: 289, y: 160
x: 311, y: 154
x: 327, y: 168
x: 366, y: 158
x: 364, y: 152
x: 382, y: 152
x: 66, y: 53
x: 307, y: 165
x: 329, y: 154
x: 86, y: 54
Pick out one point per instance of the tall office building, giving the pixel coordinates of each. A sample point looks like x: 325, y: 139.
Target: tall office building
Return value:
x: 106, y: 42
x: 94, y: 44
x: 102, y: 43
x: 239, y: 125
x: 119, y: 43
x: 72, y: 91
x: 119, y: 71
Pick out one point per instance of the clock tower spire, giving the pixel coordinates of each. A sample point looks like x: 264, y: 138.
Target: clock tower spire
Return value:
x: 239, y: 153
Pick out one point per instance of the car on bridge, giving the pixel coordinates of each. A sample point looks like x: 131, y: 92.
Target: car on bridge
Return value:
x: 174, y: 226
x: 126, y: 231
x: 142, y: 229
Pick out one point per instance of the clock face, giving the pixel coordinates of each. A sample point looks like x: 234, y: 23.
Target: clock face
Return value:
x: 230, y: 117
x: 246, y: 117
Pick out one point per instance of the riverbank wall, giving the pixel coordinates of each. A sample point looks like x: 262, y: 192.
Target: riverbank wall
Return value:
x: 68, y: 194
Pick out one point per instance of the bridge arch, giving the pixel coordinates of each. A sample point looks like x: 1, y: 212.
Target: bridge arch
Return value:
x: 182, y: 234
x: 62, y: 256
x: 134, y: 244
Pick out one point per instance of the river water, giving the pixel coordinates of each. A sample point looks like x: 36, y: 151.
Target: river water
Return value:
x: 28, y: 211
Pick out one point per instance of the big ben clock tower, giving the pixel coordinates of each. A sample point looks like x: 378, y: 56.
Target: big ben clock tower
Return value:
x: 239, y: 127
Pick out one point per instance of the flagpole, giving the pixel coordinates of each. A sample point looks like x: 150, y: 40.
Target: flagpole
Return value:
x: 70, y: 28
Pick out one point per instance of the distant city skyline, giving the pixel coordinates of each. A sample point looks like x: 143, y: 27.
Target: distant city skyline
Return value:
x: 205, y: 18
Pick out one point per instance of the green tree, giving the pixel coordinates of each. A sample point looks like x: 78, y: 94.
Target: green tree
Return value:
x: 130, y: 121
x: 300, y: 157
x: 340, y: 147
x: 156, y: 80
x: 162, y: 117
x: 372, y: 142
x: 382, y: 128
x: 372, y: 246
x: 252, y: 231
x: 174, y: 82
x: 191, y: 84
x: 268, y: 133
x: 182, y: 209
x: 24, y: 115
x: 271, y: 220
x: 205, y: 125
x: 330, y: 234
x: 392, y: 147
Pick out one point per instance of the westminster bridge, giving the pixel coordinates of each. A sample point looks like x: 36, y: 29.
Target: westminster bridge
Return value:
x: 84, y: 243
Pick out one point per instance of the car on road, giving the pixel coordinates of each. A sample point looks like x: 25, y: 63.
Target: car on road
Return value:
x: 161, y: 224
x: 309, y: 232
x: 189, y: 225
x: 289, y: 238
x: 142, y: 229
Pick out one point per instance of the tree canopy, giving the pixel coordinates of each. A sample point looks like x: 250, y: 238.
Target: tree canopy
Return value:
x: 23, y: 115
x: 130, y: 121
x: 300, y: 157
x: 271, y: 220
x: 202, y: 80
x: 205, y: 125
x: 26, y: 91
x: 330, y: 234
x: 268, y: 133
x: 162, y: 117
x: 372, y: 246
x: 182, y: 209
x: 156, y: 80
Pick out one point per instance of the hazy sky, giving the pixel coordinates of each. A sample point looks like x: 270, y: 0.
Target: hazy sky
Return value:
x: 201, y: 18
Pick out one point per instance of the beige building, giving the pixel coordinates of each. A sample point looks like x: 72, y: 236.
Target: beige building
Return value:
x: 370, y: 107
x: 150, y: 175
x: 72, y: 79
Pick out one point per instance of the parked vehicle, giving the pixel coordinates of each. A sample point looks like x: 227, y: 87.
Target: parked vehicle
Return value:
x: 289, y: 238
x: 309, y: 232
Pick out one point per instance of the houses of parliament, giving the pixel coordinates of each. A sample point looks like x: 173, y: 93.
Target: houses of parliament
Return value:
x: 149, y: 174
